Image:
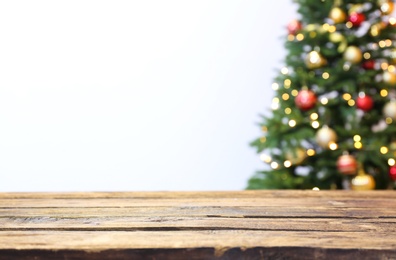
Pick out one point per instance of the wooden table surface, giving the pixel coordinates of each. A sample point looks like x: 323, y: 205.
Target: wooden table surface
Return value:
x: 199, y: 225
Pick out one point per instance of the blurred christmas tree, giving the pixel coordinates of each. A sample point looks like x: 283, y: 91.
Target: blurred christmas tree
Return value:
x: 333, y: 118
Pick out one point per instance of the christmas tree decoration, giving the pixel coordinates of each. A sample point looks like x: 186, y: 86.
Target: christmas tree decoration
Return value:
x: 305, y: 100
x: 392, y: 173
x: 294, y: 26
x: 347, y: 164
x: 337, y: 15
x: 389, y: 77
x: 364, y: 102
x: 363, y: 181
x: 390, y: 109
x: 337, y: 94
x: 315, y: 60
x: 356, y: 19
x: 297, y: 156
x: 353, y: 54
x: 325, y: 137
x: 386, y: 7
x: 368, y: 64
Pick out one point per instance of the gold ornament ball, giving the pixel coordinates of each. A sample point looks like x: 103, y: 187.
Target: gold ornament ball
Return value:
x: 353, y: 54
x: 389, y: 77
x: 363, y: 182
x: 390, y: 110
x: 337, y: 15
x: 315, y: 60
x: 325, y: 136
x: 297, y: 156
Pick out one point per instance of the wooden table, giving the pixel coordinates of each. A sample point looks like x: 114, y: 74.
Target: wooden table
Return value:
x: 199, y: 225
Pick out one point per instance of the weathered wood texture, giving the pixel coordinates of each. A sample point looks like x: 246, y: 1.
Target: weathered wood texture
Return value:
x: 199, y: 225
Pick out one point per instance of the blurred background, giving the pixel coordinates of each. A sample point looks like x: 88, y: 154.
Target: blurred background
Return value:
x: 135, y: 95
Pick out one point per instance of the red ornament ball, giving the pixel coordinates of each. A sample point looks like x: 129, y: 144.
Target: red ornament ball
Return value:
x: 368, y: 64
x: 294, y: 26
x: 347, y: 164
x: 364, y: 102
x: 356, y: 18
x: 392, y: 172
x: 305, y: 100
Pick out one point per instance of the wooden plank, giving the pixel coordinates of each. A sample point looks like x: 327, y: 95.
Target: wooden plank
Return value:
x: 379, y: 194
x: 196, y: 223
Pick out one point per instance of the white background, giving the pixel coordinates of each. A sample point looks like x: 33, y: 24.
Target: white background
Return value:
x: 135, y: 95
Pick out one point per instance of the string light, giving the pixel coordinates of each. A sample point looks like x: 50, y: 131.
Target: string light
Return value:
x: 324, y: 101
x: 392, y: 20
x: 391, y: 162
x: 384, y: 65
x: 285, y: 96
x: 357, y: 138
x: 391, y: 68
x: 264, y: 128
x: 287, y: 164
x: 275, y: 86
x: 294, y: 92
x: 315, y: 189
x: 311, y: 152
x: 389, y: 120
x: 284, y: 71
x: 288, y: 111
x: 367, y: 55
x: 287, y: 83
x: 384, y: 150
x: 263, y: 139
x: 333, y: 146
x: 265, y: 158
x: 349, y: 25
x: 384, y: 93
x: 351, y: 102
x: 314, y: 116
x: 382, y: 44
x: 300, y: 37
x: 274, y: 165
x: 358, y: 145
x: 290, y: 37
x: 292, y: 123
x: 315, y: 124
x: 346, y: 96
x: 325, y: 75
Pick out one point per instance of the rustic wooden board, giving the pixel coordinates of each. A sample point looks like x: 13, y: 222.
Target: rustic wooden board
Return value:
x: 199, y: 225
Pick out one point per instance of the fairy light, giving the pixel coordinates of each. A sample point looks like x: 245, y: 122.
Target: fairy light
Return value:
x: 275, y: 103
x: 265, y: 158
x: 384, y: 65
x: 382, y: 44
x: 367, y: 55
x: 391, y: 68
x: 311, y: 152
x: 391, y: 162
x: 264, y: 129
x: 275, y: 86
x: 332, y: 29
x: 358, y: 145
x: 384, y: 93
x: 288, y: 111
x: 325, y: 75
x: 300, y: 37
x: 290, y: 37
x: 287, y: 164
x: 312, y: 34
x: 285, y: 96
x: 346, y: 96
x: 274, y: 165
x: 287, y: 83
x: 351, y: 102
x: 284, y: 71
x: 384, y: 150
x: 292, y: 123
x: 326, y: 26
x: 392, y: 20
x: 314, y: 116
x: 388, y: 43
x: 324, y: 101
x: 315, y: 189
x: 294, y: 92
x: 315, y: 124
x: 263, y: 139
x: 333, y: 146
x: 349, y: 25
x: 357, y: 138
x: 389, y: 120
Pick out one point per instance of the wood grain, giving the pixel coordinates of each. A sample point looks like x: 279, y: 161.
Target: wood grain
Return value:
x: 199, y: 225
